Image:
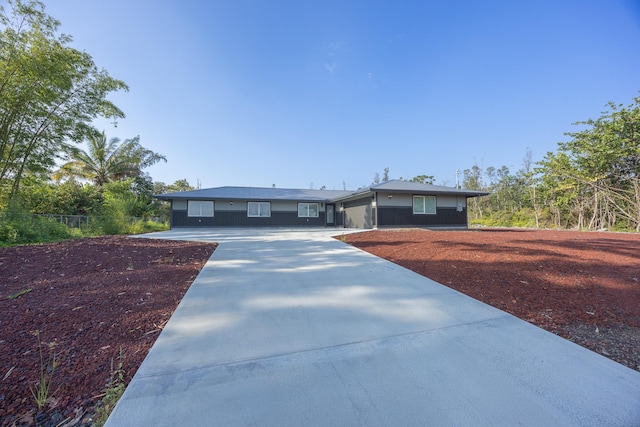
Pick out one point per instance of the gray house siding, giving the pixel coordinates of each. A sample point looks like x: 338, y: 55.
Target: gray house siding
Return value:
x: 404, y: 217
x: 389, y: 204
x: 240, y: 219
x: 234, y: 214
x: 396, y: 210
x: 359, y: 213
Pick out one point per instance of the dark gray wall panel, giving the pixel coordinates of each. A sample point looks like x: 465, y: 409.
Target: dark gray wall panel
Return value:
x: 402, y: 217
x: 240, y: 219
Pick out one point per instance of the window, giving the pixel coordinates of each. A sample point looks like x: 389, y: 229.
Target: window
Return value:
x: 424, y: 205
x: 308, y: 210
x: 258, y: 209
x: 200, y: 208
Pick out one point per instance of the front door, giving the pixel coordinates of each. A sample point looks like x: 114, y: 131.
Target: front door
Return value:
x: 331, y: 214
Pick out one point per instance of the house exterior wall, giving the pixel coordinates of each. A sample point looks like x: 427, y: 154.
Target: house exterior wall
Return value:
x: 406, y: 200
x: 388, y: 209
x: 359, y: 213
x: 397, y: 211
x: 234, y: 214
x: 391, y: 216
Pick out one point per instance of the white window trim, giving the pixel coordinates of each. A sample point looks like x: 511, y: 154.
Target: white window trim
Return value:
x: 424, y: 204
x: 308, y: 204
x: 195, y: 208
x: 259, y: 210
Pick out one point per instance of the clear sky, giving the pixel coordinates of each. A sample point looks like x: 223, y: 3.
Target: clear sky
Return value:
x: 295, y: 93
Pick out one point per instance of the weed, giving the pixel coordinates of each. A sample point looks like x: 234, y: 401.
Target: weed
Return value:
x: 20, y: 293
x: 41, y: 392
x: 113, y: 391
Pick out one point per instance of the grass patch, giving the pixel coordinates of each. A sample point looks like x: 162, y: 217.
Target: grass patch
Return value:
x: 112, y: 392
x: 41, y: 392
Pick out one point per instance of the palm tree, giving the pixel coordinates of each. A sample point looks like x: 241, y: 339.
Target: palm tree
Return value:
x: 108, y: 161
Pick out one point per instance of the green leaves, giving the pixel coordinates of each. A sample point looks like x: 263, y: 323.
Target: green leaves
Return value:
x: 108, y: 161
x: 595, y: 176
x: 49, y: 92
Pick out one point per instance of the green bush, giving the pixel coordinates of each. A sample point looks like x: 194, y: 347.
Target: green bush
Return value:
x: 18, y: 227
x: 146, y: 226
x: 524, y: 218
x: 112, y: 225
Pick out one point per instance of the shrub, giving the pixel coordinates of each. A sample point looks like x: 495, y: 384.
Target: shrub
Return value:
x: 19, y: 227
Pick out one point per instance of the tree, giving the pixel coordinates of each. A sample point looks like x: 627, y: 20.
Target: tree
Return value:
x: 108, y: 161
x: 68, y: 198
x: 49, y: 92
x: 385, y: 175
x: 423, y: 179
x: 597, y: 172
x: 472, y: 178
x: 180, y: 185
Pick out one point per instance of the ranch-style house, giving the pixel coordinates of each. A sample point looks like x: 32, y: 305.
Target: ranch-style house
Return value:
x: 394, y: 203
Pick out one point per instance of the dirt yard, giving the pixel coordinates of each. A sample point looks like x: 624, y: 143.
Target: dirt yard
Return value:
x: 582, y: 286
x: 85, y: 299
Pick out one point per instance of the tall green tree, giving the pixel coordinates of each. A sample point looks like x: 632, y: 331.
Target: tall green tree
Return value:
x: 67, y: 198
x: 597, y: 171
x: 473, y: 181
x: 49, y: 92
x: 107, y: 161
x: 180, y: 185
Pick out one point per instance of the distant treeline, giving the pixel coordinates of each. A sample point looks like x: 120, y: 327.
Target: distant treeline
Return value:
x: 592, y: 182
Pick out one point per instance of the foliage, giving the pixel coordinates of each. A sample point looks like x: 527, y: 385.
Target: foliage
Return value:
x: 126, y: 209
x: 108, y: 161
x: 161, y: 208
x: 524, y: 218
x: 18, y: 227
x: 113, y: 391
x: 423, y: 179
x: 126, y: 198
x: 65, y: 198
x: 594, y: 178
x: 41, y: 392
x: 385, y: 177
x: 49, y: 93
x: 19, y: 293
x: 122, y: 207
x: 592, y: 182
x: 111, y: 226
x: 180, y: 185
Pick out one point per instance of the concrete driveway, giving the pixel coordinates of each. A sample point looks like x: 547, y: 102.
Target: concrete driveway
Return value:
x: 293, y: 328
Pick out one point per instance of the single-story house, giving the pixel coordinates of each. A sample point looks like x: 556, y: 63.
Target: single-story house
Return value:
x: 394, y: 203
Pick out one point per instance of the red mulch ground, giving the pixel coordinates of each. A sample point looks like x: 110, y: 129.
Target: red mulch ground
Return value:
x: 91, y: 297
x: 582, y: 286
x: 88, y: 298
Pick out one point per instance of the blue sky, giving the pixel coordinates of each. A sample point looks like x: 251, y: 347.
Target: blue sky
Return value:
x: 256, y: 93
